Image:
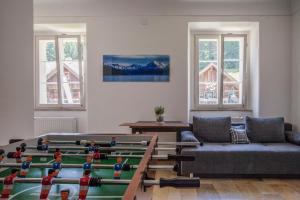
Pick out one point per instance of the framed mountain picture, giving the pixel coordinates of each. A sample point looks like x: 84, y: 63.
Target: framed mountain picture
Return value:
x: 136, y: 68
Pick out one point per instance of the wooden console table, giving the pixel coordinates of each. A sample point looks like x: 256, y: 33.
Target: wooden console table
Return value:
x: 152, y: 126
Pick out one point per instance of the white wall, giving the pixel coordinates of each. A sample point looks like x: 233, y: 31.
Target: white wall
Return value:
x: 296, y: 70
x: 275, y: 67
x: 112, y: 32
x: 16, y: 76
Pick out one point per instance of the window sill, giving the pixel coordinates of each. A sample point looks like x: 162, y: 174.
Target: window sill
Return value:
x: 60, y: 109
x: 221, y: 109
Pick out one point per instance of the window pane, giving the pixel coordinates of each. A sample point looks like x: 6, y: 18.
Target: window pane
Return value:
x: 233, y: 70
x: 70, y: 71
x: 208, y: 71
x: 48, y: 87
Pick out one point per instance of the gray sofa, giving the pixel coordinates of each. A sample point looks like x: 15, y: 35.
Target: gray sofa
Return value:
x: 273, y: 151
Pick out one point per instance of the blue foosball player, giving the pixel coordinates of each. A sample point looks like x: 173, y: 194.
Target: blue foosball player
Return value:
x: 88, y: 164
x: 56, y: 166
x: 44, y: 148
x: 113, y: 141
x: 25, y: 166
x: 118, y: 168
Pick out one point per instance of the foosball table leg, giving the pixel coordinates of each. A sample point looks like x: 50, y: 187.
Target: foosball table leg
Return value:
x: 178, y: 151
x: 179, y: 169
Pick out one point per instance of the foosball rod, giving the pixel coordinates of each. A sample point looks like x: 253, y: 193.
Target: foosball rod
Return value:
x: 154, y: 157
x: 105, y: 148
x: 144, y: 143
x: 177, y: 182
x: 94, y: 166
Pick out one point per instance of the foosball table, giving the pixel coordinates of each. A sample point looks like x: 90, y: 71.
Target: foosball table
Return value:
x: 87, y: 166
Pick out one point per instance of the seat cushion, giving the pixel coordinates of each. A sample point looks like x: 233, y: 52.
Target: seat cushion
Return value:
x: 265, y: 130
x: 216, y: 129
x: 254, y: 158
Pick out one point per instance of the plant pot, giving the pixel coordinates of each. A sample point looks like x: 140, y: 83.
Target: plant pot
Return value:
x: 159, y: 118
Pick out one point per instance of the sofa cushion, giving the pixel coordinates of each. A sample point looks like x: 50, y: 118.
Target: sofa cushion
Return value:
x: 215, y: 129
x: 254, y: 158
x: 265, y: 130
x: 293, y: 137
x: 188, y: 136
x: 239, y: 136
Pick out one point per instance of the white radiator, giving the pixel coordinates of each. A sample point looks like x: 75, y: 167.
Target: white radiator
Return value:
x: 43, y: 125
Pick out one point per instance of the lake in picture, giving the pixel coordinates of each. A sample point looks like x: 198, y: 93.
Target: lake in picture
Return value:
x: 138, y: 68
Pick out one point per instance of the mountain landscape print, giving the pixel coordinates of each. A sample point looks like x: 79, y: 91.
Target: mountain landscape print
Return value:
x: 136, y: 68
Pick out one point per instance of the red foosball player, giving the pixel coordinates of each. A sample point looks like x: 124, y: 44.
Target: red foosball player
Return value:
x: 118, y: 168
x: 18, y: 155
x: 25, y: 166
x: 9, y: 183
x: 84, y: 185
x: 47, y: 184
x: 96, y: 156
x: 64, y: 194
x: 2, y: 155
x: 57, y: 153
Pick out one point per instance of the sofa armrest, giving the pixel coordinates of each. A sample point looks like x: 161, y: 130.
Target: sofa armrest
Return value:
x: 293, y: 137
x: 188, y: 136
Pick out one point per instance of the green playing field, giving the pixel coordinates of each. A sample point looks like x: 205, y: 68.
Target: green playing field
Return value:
x: 32, y: 191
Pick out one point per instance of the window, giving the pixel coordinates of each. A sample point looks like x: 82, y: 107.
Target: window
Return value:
x: 220, y: 69
x: 59, y: 74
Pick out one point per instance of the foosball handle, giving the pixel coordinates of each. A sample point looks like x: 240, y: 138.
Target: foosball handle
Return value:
x: 10, y: 155
x: 105, y: 145
x: 39, y: 147
x: 23, y: 147
x: 181, y: 157
x: 180, y: 183
x: 39, y: 141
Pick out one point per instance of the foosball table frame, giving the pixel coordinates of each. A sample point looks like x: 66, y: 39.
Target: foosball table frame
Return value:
x: 135, y: 189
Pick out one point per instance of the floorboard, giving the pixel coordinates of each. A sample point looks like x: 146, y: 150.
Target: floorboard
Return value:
x: 231, y: 189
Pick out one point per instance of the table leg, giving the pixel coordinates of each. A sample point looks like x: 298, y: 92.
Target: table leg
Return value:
x: 178, y: 135
x: 178, y: 139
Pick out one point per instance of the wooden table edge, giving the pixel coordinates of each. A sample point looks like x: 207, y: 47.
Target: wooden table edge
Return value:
x: 139, y: 173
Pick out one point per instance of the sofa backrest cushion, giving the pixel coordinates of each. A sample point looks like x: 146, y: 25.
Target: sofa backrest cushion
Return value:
x: 265, y: 130
x: 216, y: 129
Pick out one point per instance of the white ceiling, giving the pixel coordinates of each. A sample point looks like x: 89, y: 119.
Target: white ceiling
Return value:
x: 160, y: 7
x: 229, y: 1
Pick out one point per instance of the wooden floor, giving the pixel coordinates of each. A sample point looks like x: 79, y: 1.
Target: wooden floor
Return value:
x: 232, y: 189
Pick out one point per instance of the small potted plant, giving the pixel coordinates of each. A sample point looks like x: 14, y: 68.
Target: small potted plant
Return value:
x: 159, y: 113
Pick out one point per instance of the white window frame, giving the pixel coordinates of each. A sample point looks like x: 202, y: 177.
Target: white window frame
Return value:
x: 59, y: 105
x: 220, y: 106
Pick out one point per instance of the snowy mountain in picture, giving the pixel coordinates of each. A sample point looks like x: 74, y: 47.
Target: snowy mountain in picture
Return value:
x: 154, y: 68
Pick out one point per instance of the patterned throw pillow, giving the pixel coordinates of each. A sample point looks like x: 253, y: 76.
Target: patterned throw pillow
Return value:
x: 239, y: 136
